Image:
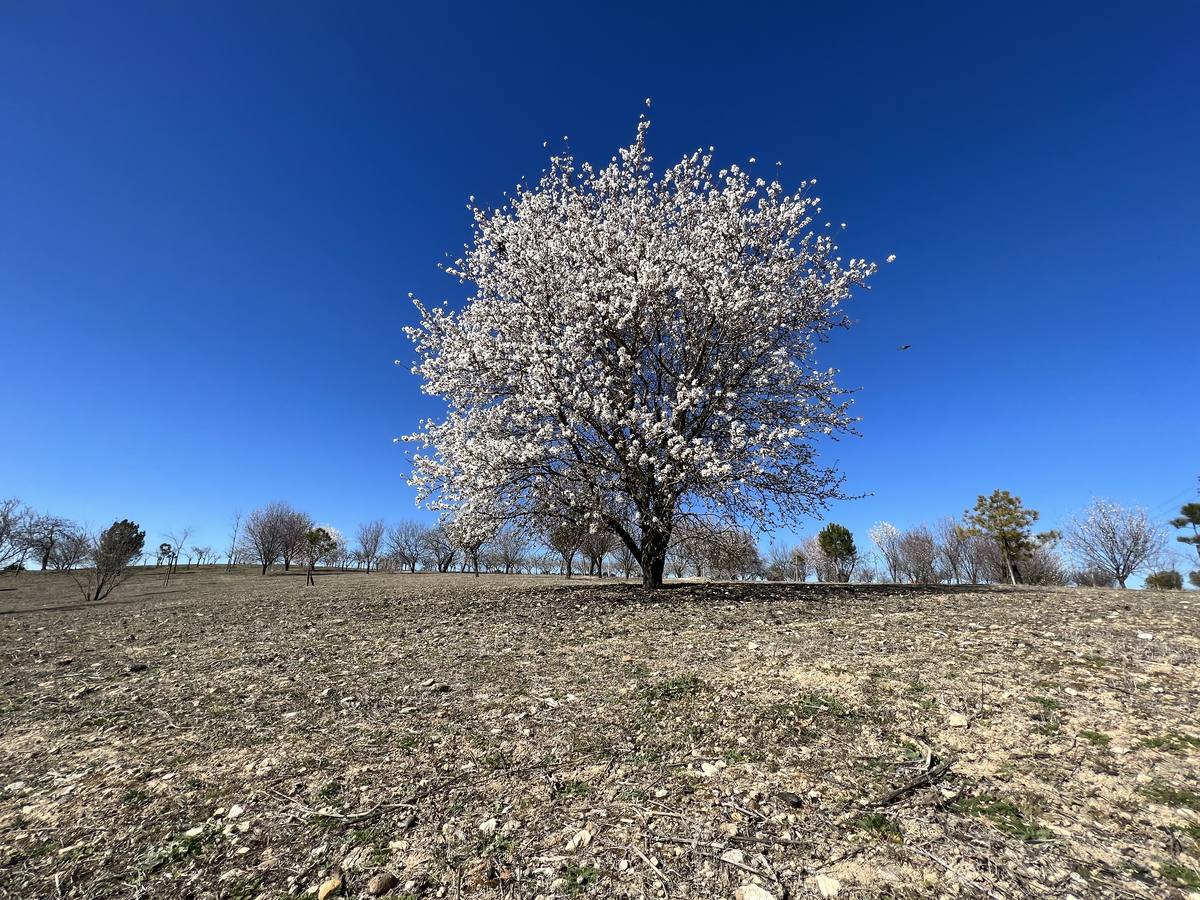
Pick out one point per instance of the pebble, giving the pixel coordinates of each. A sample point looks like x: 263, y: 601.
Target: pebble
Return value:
x: 828, y: 885
x: 752, y: 892
x: 382, y: 884
x: 582, y: 838
x: 329, y: 887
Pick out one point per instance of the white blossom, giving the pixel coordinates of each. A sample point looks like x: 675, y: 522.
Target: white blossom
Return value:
x: 638, y: 348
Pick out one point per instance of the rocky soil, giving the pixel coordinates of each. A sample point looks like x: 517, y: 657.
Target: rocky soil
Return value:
x: 238, y: 736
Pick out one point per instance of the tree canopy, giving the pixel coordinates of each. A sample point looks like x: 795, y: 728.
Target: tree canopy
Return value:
x: 637, y: 344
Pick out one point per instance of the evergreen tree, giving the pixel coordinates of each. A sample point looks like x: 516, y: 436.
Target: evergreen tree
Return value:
x: 1189, y: 517
x: 837, y: 543
x: 1003, y: 518
x: 112, y: 553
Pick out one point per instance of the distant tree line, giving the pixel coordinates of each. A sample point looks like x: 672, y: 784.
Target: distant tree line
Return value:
x: 992, y: 542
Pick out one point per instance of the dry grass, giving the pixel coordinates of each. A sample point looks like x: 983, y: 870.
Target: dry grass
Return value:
x: 234, y: 736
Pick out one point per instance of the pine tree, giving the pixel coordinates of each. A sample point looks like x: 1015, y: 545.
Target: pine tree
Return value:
x: 1003, y: 518
x: 837, y: 543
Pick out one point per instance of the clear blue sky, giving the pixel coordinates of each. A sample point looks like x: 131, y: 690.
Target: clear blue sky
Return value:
x: 211, y: 214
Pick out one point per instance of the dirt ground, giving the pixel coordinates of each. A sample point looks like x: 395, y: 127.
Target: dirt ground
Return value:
x: 239, y: 736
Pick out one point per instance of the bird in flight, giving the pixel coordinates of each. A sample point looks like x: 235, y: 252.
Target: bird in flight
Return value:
x: 905, y: 346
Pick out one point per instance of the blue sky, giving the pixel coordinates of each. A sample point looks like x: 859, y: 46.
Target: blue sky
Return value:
x: 211, y: 215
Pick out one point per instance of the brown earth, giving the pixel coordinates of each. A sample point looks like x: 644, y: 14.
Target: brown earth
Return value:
x: 237, y: 736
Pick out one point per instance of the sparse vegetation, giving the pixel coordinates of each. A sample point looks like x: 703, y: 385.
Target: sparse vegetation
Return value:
x: 367, y: 725
x: 1004, y: 815
x: 1167, y: 580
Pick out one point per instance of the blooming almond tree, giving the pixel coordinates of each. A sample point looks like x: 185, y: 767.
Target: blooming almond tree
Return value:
x: 637, y: 342
x: 1116, y: 541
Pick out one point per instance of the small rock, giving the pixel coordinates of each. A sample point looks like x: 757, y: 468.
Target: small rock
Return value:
x: 958, y: 720
x: 709, y: 770
x: 381, y: 884
x: 728, y: 829
x: 1145, y: 636
x: 234, y: 812
x: 752, y: 892
x: 733, y: 857
x: 582, y: 838
x: 329, y: 887
x: 828, y: 885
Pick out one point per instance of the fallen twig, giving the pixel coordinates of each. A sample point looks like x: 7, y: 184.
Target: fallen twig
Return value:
x: 928, y: 777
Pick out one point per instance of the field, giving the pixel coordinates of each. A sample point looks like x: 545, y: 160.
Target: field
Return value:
x: 238, y: 736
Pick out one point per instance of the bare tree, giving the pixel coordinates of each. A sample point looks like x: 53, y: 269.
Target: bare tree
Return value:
x: 980, y: 550
x: 440, y: 547
x: 233, y: 539
x: 176, y: 539
x: 406, y: 544
x: 294, y: 526
x: 920, y: 556
x: 264, y: 534
x: 1093, y: 578
x: 626, y: 562
x: 473, y: 542
x: 565, y: 538
x: 512, y: 544
x: 596, y: 547
x: 732, y: 553
x: 12, y: 533
x: 1044, y: 565
x: 41, y: 534
x: 953, y: 540
x: 370, y: 542
x: 71, y: 550
x: 1115, y: 540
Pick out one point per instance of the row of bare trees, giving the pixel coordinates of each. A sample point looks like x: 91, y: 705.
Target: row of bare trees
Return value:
x: 47, y: 541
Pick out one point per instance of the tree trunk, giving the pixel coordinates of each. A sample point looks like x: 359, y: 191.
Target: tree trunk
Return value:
x: 264, y: 568
x: 653, y: 558
x: 1012, y: 574
x: 1121, y: 582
